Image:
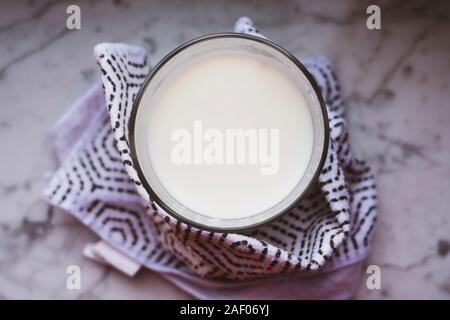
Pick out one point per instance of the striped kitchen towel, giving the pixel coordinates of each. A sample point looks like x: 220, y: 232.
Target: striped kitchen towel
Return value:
x: 314, y: 251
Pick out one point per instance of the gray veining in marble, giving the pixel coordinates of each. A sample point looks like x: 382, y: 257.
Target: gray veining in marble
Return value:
x: 396, y: 86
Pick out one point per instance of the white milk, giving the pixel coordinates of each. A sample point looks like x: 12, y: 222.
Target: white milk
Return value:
x: 230, y: 90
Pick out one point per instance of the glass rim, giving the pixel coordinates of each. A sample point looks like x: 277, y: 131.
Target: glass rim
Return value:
x: 132, y: 123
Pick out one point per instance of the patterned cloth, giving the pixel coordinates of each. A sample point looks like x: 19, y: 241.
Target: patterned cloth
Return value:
x: 330, y: 229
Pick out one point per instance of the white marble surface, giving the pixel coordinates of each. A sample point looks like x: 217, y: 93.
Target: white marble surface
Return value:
x: 395, y: 82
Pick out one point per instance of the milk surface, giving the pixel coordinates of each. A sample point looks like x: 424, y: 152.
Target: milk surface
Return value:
x: 222, y: 91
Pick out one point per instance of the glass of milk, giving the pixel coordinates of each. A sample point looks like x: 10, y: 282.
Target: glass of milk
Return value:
x: 228, y: 132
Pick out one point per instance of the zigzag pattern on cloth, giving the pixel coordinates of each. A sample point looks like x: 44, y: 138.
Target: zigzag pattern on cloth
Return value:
x: 98, y: 184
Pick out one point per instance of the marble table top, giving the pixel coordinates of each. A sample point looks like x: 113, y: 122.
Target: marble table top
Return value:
x: 395, y: 83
